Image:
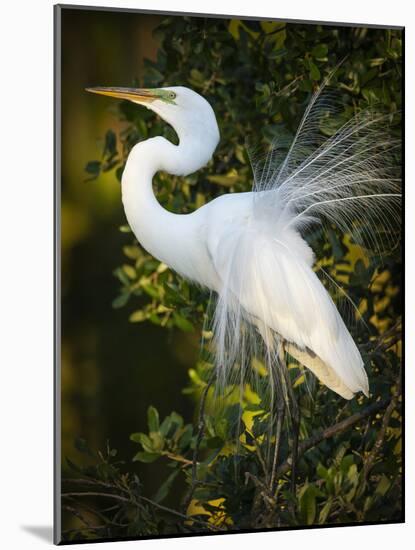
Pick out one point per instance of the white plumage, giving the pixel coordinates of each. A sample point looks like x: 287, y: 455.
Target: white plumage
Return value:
x: 248, y: 247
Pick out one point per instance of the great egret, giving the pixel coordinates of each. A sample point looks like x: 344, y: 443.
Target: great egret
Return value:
x: 248, y: 247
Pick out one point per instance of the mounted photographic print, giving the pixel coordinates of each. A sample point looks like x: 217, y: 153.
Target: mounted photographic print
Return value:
x: 229, y: 274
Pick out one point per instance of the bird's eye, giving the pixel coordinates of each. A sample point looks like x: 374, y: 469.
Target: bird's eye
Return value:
x: 172, y: 95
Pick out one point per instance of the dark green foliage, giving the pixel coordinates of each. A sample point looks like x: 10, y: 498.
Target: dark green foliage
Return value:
x: 258, y: 76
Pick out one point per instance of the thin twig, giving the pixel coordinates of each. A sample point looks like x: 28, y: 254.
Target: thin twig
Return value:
x: 82, y: 481
x: 260, y: 484
x: 177, y: 458
x: 200, y: 433
x: 278, y: 433
x: 261, y: 459
x: 96, y: 494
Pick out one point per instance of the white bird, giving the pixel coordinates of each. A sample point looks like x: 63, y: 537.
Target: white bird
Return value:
x: 248, y: 247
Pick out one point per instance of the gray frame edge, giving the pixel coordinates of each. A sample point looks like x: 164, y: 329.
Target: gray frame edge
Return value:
x: 57, y: 515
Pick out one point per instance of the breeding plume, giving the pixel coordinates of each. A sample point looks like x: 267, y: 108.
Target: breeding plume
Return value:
x: 250, y: 248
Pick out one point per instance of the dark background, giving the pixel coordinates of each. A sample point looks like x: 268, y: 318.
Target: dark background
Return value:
x: 112, y: 370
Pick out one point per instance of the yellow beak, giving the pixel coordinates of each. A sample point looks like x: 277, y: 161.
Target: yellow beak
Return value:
x: 139, y: 95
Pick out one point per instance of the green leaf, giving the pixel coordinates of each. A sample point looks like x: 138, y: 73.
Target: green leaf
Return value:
x: 146, y: 457
x: 314, y: 71
x: 138, y: 316
x: 125, y: 229
x: 121, y: 276
x: 182, y: 322
x: 186, y: 437
x: 275, y: 54
x: 221, y: 428
x: 176, y: 419
x: 353, y: 474
x: 383, y: 485
x: 346, y: 463
x: 143, y: 440
x: 196, y: 78
x: 233, y: 413
x: 110, y: 146
x: 371, y: 95
x: 120, y: 300
x: 153, y: 77
x: 93, y: 167
x: 368, y: 503
x: 165, y: 426
x: 165, y: 487
x: 81, y: 445
x: 151, y: 290
x: 265, y: 89
x: 226, y: 181
x: 279, y: 38
x: 155, y: 319
x: 325, y: 511
x: 132, y: 252
x: 307, y: 501
x: 320, y: 51
x: 322, y: 471
x: 254, y: 407
x: 377, y: 61
x: 157, y: 441
x: 153, y: 419
x: 172, y: 294
x: 129, y: 271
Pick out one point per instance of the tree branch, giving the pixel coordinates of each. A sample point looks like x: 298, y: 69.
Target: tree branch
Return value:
x: 331, y: 431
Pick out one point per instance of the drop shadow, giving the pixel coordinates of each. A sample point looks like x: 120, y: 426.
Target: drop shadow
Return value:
x: 43, y: 532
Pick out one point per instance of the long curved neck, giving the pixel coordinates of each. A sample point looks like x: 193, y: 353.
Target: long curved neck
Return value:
x: 156, y: 228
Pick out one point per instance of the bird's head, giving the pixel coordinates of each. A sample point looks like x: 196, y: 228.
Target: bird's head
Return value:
x: 188, y: 112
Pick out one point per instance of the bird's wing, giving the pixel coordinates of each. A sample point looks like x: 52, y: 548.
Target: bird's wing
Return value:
x: 267, y: 281
x: 350, y: 179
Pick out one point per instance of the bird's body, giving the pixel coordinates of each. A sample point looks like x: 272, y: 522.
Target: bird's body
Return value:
x: 246, y: 247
